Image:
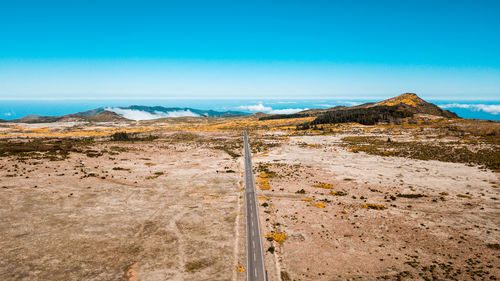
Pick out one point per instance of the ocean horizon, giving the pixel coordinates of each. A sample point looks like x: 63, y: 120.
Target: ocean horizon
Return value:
x: 14, y: 109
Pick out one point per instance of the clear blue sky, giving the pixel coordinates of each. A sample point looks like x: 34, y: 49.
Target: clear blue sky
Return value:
x: 238, y: 49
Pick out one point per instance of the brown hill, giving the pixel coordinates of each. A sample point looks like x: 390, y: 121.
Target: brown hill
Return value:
x: 106, y: 116
x: 392, y: 110
x: 412, y: 103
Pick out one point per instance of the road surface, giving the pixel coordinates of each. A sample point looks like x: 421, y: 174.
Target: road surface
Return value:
x: 256, y: 270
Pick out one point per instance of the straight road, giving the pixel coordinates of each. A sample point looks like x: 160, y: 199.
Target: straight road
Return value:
x: 256, y: 270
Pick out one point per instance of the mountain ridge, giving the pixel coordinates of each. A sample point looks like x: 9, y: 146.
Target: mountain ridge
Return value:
x: 106, y: 114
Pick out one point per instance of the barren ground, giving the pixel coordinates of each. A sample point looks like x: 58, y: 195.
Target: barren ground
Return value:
x: 436, y: 236
x: 154, y: 210
x: 170, y: 208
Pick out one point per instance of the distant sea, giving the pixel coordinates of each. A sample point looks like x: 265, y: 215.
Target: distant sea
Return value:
x: 13, y: 109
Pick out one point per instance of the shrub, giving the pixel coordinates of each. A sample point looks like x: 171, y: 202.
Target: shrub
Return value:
x: 323, y: 185
x: 374, y: 206
x: 276, y: 236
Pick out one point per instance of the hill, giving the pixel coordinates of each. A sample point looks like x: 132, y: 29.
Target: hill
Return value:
x: 102, y: 116
x: 106, y: 116
x: 412, y: 103
x: 390, y: 110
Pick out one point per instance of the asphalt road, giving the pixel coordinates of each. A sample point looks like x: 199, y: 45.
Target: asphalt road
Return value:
x: 256, y: 270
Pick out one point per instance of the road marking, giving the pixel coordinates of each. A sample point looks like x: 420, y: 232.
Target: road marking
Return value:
x: 253, y: 222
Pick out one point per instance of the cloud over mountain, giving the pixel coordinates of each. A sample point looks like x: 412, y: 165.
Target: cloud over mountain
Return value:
x: 138, y: 115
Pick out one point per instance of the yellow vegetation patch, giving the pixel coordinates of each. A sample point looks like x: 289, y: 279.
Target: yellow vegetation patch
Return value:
x: 337, y: 193
x: 240, y: 269
x: 262, y: 198
x: 323, y: 185
x: 263, y: 181
x: 306, y: 199
x: 410, y: 99
x: 150, y: 164
x: 277, y: 236
x: 374, y: 206
x: 356, y: 149
x: 319, y: 205
x: 313, y: 145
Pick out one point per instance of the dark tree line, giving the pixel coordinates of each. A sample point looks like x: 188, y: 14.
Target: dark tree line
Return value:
x: 284, y: 116
x: 365, y: 116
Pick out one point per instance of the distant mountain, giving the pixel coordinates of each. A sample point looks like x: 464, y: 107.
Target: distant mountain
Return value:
x: 116, y: 114
x: 390, y: 110
x: 162, y: 111
x: 102, y: 116
x: 106, y: 116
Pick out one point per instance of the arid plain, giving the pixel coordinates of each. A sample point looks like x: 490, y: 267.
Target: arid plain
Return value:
x: 162, y: 200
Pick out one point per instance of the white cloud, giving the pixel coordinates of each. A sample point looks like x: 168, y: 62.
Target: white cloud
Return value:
x: 181, y: 113
x: 138, y: 115
x: 490, y: 108
x: 350, y: 103
x: 8, y: 114
x: 267, y: 109
x: 255, y: 108
x: 287, y: 110
x: 324, y: 105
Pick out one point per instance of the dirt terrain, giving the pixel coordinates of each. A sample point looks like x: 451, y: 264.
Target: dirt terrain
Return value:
x: 163, y: 201
x: 162, y: 210
x: 357, y: 216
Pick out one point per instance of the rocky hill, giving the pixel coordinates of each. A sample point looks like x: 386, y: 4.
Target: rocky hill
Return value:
x: 390, y: 110
x: 412, y: 103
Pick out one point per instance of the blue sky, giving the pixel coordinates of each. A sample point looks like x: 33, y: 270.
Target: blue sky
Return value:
x: 249, y: 49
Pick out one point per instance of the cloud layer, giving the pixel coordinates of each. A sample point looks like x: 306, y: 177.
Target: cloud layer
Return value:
x: 267, y: 109
x: 138, y: 115
x: 489, y: 108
